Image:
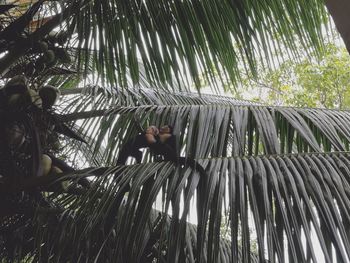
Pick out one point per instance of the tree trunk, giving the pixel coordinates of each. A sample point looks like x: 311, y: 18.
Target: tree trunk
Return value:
x: 340, y: 10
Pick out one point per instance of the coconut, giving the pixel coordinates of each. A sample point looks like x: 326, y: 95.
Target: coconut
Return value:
x: 65, y: 185
x: 43, y: 46
x: 49, y: 56
x: 40, y: 46
x: 46, y: 163
x: 25, y: 99
x: 49, y: 95
x: 18, y: 84
x: 55, y: 170
x: 58, y: 37
x: 62, y: 186
x: 52, y: 63
x: 14, y: 100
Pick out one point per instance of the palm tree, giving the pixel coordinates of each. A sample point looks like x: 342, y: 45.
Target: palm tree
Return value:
x: 338, y: 10
x: 276, y: 180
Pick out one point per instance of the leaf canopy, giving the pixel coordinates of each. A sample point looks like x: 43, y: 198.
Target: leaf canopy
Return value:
x: 171, y: 42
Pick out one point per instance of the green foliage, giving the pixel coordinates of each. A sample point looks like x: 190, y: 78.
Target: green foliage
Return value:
x: 281, y: 171
x: 323, y: 83
x: 166, y: 42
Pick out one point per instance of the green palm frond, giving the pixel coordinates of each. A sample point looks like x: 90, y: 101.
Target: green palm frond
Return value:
x: 172, y: 42
x: 275, y: 186
x: 299, y: 202
x: 204, y: 37
x: 211, y: 126
x: 263, y: 196
x: 146, y: 95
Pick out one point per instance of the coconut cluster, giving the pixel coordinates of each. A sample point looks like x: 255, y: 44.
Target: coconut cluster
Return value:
x: 17, y: 99
x: 23, y: 108
x: 17, y: 94
x: 50, y: 50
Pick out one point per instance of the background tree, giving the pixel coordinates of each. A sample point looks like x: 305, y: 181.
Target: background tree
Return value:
x: 321, y: 83
x: 282, y: 171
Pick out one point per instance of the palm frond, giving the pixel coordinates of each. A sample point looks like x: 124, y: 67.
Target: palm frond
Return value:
x: 275, y: 185
x: 209, y: 126
x: 169, y: 42
x: 267, y: 171
x: 296, y: 203
x: 148, y: 95
x: 203, y: 37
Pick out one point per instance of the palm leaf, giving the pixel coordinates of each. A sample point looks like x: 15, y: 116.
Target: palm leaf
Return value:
x: 203, y: 37
x: 309, y: 191
x: 265, y: 172
x: 289, y: 197
x: 281, y: 173
x: 173, y: 42
x: 207, y: 128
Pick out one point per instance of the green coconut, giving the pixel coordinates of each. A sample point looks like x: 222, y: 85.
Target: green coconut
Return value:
x: 46, y: 164
x: 49, y: 96
x: 55, y: 170
x: 40, y: 46
x: 60, y: 186
x: 18, y: 84
x: 15, y: 100
x: 43, y: 46
x: 49, y: 56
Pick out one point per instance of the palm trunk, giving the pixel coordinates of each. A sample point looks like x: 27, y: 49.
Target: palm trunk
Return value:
x: 339, y: 10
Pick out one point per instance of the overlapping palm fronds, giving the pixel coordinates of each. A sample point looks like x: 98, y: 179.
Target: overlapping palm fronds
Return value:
x: 176, y: 42
x: 276, y: 187
x: 244, y: 128
x: 276, y: 181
